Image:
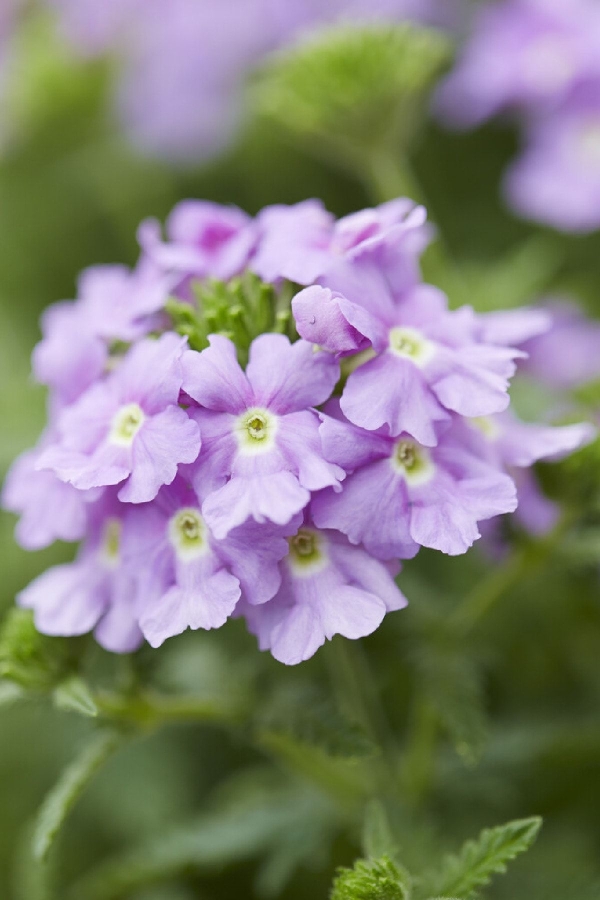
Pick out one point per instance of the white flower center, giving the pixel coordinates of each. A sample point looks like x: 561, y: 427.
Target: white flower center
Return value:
x: 188, y: 534
x: 126, y: 423
x: 488, y: 427
x: 308, y: 553
x: 548, y: 63
x: 255, y: 431
x: 111, y: 542
x: 588, y: 142
x: 410, y: 344
x: 412, y: 462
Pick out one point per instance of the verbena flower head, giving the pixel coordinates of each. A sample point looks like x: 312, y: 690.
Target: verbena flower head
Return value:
x: 229, y: 447
x: 541, y: 59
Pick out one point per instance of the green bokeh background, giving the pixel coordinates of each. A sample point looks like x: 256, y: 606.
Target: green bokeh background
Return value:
x: 72, y: 194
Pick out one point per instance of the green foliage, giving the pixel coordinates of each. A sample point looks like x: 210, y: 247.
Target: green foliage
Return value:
x: 478, y: 860
x: 349, y: 92
x: 74, y: 695
x: 29, y: 658
x: 377, y: 837
x: 377, y: 879
x: 255, y: 814
x: 309, y: 717
x: 240, y: 310
x: 68, y: 789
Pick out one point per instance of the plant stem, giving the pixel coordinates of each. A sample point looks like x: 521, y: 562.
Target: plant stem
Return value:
x: 357, y: 692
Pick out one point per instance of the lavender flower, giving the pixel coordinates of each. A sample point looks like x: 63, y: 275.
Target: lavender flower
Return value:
x: 302, y: 242
x: 427, y: 361
x: 128, y: 427
x: 328, y: 587
x: 95, y: 592
x: 557, y: 178
x: 285, y: 491
x: 542, y: 59
x: 566, y: 354
x: 400, y: 495
x: 262, y: 456
x: 194, y: 580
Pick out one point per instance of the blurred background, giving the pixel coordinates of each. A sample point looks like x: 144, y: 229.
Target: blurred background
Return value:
x: 497, y: 723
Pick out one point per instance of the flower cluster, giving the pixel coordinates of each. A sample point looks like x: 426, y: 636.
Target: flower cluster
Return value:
x: 182, y: 64
x: 542, y: 59
x: 285, y: 490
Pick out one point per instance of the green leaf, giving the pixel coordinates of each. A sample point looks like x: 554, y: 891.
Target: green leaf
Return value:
x: 63, y: 796
x: 73, y: 695
x: 302, y: 712
x: 256, y: 814
x: 377, y: 879
x: 488, y: 855
x: 31, y: 659
x: 377, y: 837
x: 355, y: 90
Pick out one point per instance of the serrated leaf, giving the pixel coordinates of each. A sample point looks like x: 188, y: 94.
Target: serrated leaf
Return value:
x: 488, y: 855
x: 73, y: 695
x: 377, y: 879
x: 64, y: 795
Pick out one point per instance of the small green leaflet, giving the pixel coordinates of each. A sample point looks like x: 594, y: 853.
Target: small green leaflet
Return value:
x: 375, y: 879
x: 488, y: 855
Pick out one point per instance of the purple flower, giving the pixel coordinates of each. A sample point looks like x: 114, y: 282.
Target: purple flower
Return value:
x: 50, y: 510
x: 515, y: 446
x: 195, y: 581
x: 303, y: 241
x: 400, y: 495
x: 522, y: 53
x: 204, y: 240
x: 557, y: 178
x: 427, y: 361
x: 128, y: 428
x: 261, y: 453
x: 513, y: 327
x: 114, y: 304
x: 328, y: 587
x: 567, y: 355
x: 95, y: 592
x: 183, y: 65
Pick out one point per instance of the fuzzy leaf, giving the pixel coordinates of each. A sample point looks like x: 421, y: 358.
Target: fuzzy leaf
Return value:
x: 354, y: 89
x: 63, y: 796
x: 488, y: 855
x: 377, y: 879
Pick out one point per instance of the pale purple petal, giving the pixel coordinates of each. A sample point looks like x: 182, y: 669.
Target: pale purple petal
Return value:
x: 67, y: 600
x: 289, y: 377
x: 274, y: 498
x: 214, y: 377
x: 392, y: 392
x: 163, y: 442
